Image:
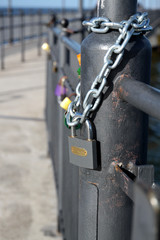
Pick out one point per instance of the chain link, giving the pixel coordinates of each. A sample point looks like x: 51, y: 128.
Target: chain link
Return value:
x: 137, y: 24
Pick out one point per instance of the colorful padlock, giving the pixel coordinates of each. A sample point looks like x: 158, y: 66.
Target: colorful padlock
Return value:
x: 60, y: 90
x: 65, y: 103
x: 46, y: 47
x: 79, y: 59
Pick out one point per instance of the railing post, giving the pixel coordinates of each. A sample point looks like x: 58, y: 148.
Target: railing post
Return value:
x: 62, y: 61
x: 81, y: 8
x: 10, y: 15
x: 81, y: 16
x: 31, y: 23
x: 39, y: 32
x: 2, y: 40
x: 105, y: 212
x: 22, y: 36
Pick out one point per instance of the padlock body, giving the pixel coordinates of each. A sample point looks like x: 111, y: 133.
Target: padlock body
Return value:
x: 60, y: 90
x: 83, y: 153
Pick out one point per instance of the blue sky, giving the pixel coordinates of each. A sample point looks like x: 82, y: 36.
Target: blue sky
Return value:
x: 46, y: 3
x: 68, y: 3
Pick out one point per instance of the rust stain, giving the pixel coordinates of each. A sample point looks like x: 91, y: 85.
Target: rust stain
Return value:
x: 120, y: 120
x: 117, y: 167
x: 121, y: 90
x: 115, y: 100
x: 131, y: 155
x: 115, y: 201
x: 96, y: 184
x: 115, y: 159
x: 122, y: 76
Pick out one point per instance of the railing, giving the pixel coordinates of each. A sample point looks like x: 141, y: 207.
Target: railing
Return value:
x: 19, y: 26
x: 119, y: 200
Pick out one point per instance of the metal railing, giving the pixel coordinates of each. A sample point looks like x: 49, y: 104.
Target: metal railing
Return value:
x: 19, y: 26
x: 119, y: 200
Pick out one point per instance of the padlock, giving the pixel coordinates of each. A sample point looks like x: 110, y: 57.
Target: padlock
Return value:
x: 79, y: 72
x: 55, y: 68
x: 60, y: 89
x: 79, y: 59
x: 83, y: 153
x: 65, y: 103
x: 45, y: 46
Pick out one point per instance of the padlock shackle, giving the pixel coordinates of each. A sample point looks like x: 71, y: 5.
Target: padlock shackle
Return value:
x: 73, y: 131
x: 89, y: 129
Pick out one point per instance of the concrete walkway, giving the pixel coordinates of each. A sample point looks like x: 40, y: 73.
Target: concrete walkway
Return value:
x: 28, y: 207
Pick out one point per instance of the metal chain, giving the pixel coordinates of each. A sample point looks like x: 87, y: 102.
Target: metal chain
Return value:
x: 137, y: 24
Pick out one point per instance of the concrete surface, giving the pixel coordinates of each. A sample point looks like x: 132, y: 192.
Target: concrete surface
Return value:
x: 28, y: 205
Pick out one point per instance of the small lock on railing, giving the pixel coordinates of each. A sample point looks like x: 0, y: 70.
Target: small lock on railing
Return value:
x: 83, y: 153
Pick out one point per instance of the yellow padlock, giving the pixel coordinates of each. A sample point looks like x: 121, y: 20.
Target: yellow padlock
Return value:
x: 65, y: 103
x: 46, y: 47
x: 79, y: 59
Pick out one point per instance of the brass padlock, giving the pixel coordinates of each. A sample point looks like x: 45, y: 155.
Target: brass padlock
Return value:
x: 83, y: 153
x: 55, y: 67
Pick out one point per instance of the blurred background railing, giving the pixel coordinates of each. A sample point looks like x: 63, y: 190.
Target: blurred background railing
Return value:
x: 20, y: 25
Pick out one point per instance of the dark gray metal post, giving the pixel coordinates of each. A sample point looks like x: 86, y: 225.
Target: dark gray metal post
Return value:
x: 39, y: 32
x: 31, y: 22
x: 2, y: 40
x: 81, y: 16
x: 105, y: 212
x: 62, y: 61
x: 81, y: 8
x: 10, y: 15
x: 22, y: 36
x: 116, y: 10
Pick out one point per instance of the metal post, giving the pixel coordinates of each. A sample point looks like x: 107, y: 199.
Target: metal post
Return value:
x: 31, y: 23
x: 63, y: 7
x: 81, y: 16
x: 39, y: 32
x: 116, y: 10
x: 81, y: 8
x: 105, y: 212
x: 10, y: 14
x: 2, y: 40
x: 62, y: 59
x: 22, y: 36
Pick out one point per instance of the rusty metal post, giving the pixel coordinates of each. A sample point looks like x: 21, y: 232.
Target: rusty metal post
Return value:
x: 105, y: 212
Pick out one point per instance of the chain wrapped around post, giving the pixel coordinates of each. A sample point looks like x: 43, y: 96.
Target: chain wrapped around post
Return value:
x: 137, y: 24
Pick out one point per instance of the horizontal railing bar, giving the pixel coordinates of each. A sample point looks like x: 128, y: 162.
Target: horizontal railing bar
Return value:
x: 71, y: 44
x: 140, y: 95
x: 25, y: 38
x: 24, y: 25
x: 75, y: 20
x: 126, y: 179
x: 70, y: 20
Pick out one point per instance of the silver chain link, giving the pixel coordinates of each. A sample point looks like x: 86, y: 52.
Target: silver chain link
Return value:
x: 137, y: 24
